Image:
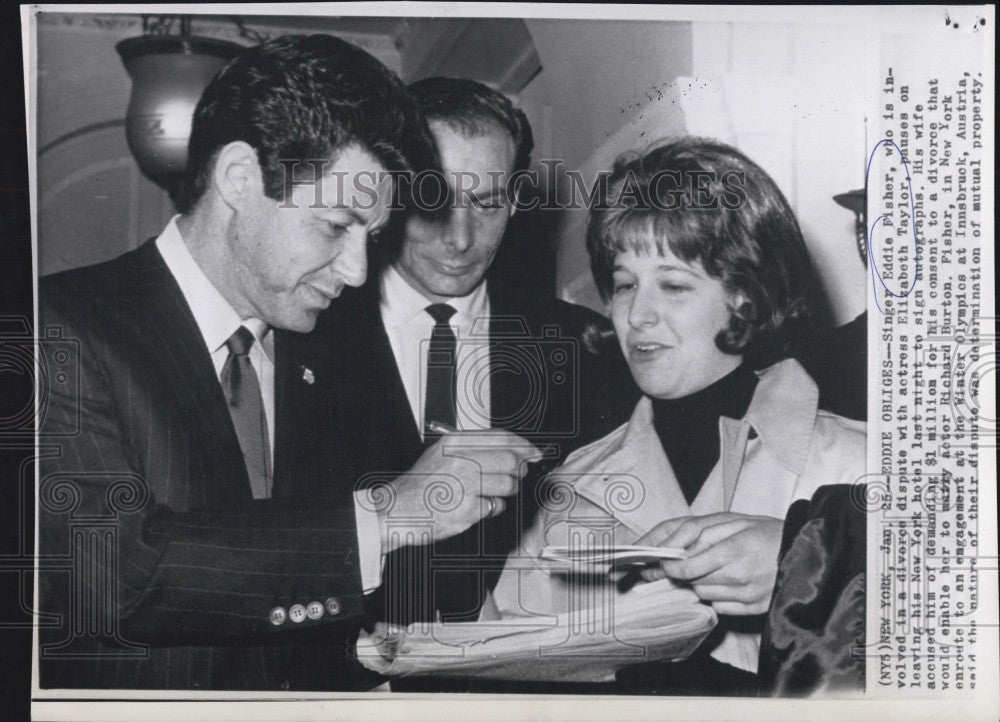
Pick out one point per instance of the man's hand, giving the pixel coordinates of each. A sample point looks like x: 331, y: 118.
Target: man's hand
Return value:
x: 733, y: 558
x: 461, y: 479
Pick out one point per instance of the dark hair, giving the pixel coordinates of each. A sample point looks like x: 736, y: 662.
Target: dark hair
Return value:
x: 475, y: 109
x: 735, y: 222
x: 298, y: 98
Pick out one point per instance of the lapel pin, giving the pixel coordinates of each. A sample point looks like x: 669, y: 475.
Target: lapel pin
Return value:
x: 308, y: 376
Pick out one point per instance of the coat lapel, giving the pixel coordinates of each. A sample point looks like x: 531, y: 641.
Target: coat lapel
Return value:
x: 519, y: 372
x: 293, y: 404
x: 392, y: 424
x: 502, y: 323
x: 178, y: 363
x: 733, y: 437
x: 633, y: 481
x: 360, y: 417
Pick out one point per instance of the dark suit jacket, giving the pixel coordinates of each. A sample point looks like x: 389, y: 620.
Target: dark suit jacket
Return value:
x: 545, y: 385
x: 159, y: 570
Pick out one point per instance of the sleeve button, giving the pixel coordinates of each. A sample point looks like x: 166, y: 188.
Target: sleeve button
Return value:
x: 297, y: 613
x: 333, y: 606
x: 314, y: 610
x: 278, y: 616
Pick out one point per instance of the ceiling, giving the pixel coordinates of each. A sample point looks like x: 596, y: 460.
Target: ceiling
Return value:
x: 496, y: 51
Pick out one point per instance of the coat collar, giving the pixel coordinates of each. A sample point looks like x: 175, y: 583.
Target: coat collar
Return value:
x: 782, y: 412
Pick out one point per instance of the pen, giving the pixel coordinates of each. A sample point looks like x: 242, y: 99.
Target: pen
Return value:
x: 437, y: 427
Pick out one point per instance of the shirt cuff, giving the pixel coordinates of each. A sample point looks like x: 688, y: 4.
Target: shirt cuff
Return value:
x: 369, y: 544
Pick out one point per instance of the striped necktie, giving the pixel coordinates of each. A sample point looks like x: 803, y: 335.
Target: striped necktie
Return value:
x: 242, y: 390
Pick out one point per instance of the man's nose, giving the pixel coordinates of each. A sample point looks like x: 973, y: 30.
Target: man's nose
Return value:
x: 352, y: 263
x: 458, y: 232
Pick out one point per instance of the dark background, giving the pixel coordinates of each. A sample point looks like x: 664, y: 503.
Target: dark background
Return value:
x: 15, y: 388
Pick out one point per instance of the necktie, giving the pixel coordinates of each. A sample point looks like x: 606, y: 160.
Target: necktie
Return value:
x: 242, y: 390
x: 439, y: 397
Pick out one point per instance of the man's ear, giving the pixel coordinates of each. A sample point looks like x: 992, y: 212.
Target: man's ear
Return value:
x: 237, y: 173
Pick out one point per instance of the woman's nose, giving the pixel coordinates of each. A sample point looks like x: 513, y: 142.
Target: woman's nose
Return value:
x: 642, y: 311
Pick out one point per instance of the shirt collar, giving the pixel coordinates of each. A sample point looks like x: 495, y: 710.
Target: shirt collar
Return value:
x: 401, y: 303
x: 216, y: 318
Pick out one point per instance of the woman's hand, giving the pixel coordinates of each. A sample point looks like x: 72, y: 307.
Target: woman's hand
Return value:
x: 733, y: 558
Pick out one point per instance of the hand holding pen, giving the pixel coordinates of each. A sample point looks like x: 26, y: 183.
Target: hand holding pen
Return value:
x: 463, y: 477
x: 441, y: 429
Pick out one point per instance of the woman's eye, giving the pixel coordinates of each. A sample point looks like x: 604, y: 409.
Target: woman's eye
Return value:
x: 621, y: 286
x: 337, y: 229
x: 674, y: 287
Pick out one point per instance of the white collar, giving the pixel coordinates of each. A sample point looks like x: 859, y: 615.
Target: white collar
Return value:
x: 216, y: 318
x: 401, y: 303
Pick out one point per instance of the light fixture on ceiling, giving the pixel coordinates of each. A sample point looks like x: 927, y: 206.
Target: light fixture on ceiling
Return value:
x: 854, y: 201
x: 169, y: 71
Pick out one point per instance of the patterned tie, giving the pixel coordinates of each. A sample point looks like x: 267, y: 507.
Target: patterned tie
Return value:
x: 242, y: 390
x: 439, y: 399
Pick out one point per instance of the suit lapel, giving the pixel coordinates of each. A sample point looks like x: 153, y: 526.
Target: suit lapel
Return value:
x: 360, y: 417
x: 286, y: 399
x: 396, y: 422
x: 304, y: 463
x: 508, y: 325
x: 178, y: 362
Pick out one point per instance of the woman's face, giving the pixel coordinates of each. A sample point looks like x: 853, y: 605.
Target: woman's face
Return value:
x: 667, y: 314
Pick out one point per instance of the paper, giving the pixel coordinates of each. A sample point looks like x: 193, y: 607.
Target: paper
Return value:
x: 622, y: 555
x: 588, y: 645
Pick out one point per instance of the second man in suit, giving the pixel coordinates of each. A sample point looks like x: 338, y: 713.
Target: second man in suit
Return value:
x: 429, y: 344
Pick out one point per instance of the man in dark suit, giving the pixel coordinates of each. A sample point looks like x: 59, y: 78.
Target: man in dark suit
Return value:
x: 508, y: 359
x: 192, y: 533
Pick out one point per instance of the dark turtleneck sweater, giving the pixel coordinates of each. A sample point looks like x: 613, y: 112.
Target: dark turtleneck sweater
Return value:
x: 688, y: 427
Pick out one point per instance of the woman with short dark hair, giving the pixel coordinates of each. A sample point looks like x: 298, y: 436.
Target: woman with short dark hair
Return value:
x: 707, y: 279
x: 708, y: 204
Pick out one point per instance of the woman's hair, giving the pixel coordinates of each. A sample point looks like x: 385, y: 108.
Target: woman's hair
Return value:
x: 708, y: 202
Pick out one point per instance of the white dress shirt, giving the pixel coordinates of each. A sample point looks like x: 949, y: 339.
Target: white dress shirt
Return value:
x: 217, y: 321
x: 409, y: 327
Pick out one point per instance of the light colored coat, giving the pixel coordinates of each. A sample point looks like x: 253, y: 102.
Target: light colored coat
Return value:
x: 620, y: 487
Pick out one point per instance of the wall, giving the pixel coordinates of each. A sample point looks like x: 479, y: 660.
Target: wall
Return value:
x: 787, y: 95
x: 93, y: 202
x: 784, y: 94
x: 605, y: 87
